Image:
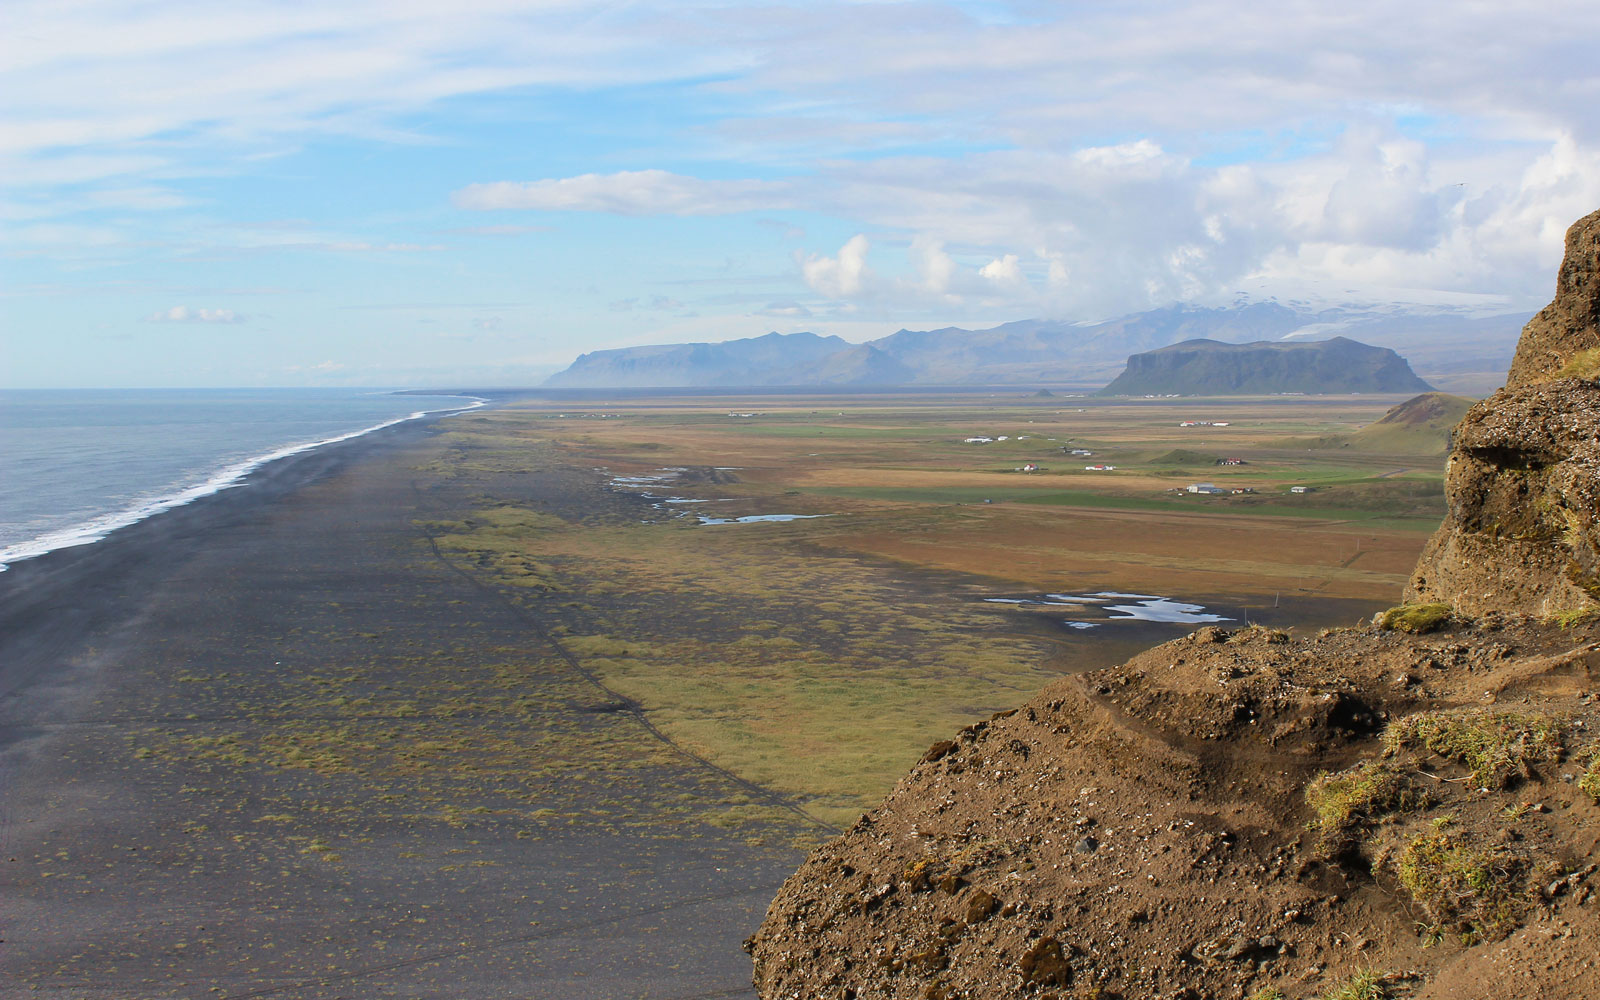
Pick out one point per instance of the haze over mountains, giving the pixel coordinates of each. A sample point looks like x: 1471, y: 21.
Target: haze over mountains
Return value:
x: 1035, y: 351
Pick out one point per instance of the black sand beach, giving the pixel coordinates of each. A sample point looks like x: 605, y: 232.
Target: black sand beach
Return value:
x: 271, y: 744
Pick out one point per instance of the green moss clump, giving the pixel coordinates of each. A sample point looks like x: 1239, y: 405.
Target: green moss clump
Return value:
x: 1270, y: 993
x: 1416, y: 618
x: 1352, y: 799
x: 1478, y: 891
x: 1499, y: 747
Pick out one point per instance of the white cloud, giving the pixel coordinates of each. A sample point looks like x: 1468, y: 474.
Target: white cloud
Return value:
x: 1003, y: 272
x: 630, y: 192
x: 841, y: 277
x: 184, y: 314
x: 841, y: 75
x: 1102, y: 231
x: 1428, y: 144
x: 935, y: 268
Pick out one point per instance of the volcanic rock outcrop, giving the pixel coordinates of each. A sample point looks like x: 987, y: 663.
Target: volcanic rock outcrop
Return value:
x: 1523, y: 483
x: 1409, y: 808
x: 1566, y: 327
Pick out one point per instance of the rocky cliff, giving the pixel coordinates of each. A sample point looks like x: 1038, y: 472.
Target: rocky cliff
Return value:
x: 1410, y: 808
x: 1523, y: 482
x: 1564, y: 329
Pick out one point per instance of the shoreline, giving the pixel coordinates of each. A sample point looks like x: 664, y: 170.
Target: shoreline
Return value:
x: 45, y: 599
x: 269, y: 744
x: 230, y: 476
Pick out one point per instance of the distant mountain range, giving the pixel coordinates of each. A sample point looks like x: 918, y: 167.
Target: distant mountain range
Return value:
x: 1212, y: 368
x: 1040, y: 351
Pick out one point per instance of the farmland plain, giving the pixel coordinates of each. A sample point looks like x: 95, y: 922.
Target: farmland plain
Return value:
x: 925, y: 579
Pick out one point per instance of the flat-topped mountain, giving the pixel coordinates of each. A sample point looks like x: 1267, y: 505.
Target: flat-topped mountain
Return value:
x: 1034, y: 351
x: 1210, y: 368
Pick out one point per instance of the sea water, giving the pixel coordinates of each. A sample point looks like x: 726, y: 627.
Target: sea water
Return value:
x: 76, y: 464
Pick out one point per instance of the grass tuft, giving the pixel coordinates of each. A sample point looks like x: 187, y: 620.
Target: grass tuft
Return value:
x: 1479, y: 891
x: 1584, y: 364
x: 1352, y: 799
x: 1575, y: 617
x: 1499, y: 747
x: 1364, y: 985
x: 1259, y: 633
x: 1416, y: 618
x: 1589, y: 784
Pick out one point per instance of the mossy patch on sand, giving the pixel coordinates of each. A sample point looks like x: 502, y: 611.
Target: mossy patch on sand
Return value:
x: 1498, y: 747
x: 759, y: 658
x: 1589, y: 783
x: 1368, y: 984
x: 1417, y: 619
x: 500, y: 539
x: 1347, y: 802
x: 1478, y: 890
x: 1575, y: 617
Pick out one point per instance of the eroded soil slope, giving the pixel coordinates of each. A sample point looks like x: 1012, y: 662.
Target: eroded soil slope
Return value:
x: 1145, y: 830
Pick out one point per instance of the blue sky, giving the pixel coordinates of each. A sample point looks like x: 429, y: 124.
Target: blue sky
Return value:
x: 409, y: 193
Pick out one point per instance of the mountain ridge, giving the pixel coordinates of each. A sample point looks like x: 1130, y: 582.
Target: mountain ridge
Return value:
x: 1032, y: 351
x: 750, y: 361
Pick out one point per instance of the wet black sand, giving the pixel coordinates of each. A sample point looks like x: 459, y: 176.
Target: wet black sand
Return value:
x: 271, y: 745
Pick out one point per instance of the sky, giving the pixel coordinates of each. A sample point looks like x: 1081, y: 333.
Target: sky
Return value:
x: 409, y: 193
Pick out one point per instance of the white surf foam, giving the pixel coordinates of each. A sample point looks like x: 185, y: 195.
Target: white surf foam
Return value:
x: 225, y: 478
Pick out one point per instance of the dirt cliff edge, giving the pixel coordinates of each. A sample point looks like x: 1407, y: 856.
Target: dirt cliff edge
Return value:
x: 1410, y: 808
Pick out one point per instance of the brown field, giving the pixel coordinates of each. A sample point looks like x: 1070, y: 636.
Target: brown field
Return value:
x: 1052, y: 550
x: 912, y: 490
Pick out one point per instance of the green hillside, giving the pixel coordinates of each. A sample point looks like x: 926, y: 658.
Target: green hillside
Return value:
x: 1419, y: 426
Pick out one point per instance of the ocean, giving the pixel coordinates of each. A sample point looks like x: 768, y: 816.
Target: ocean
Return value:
x: 76, y: 464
